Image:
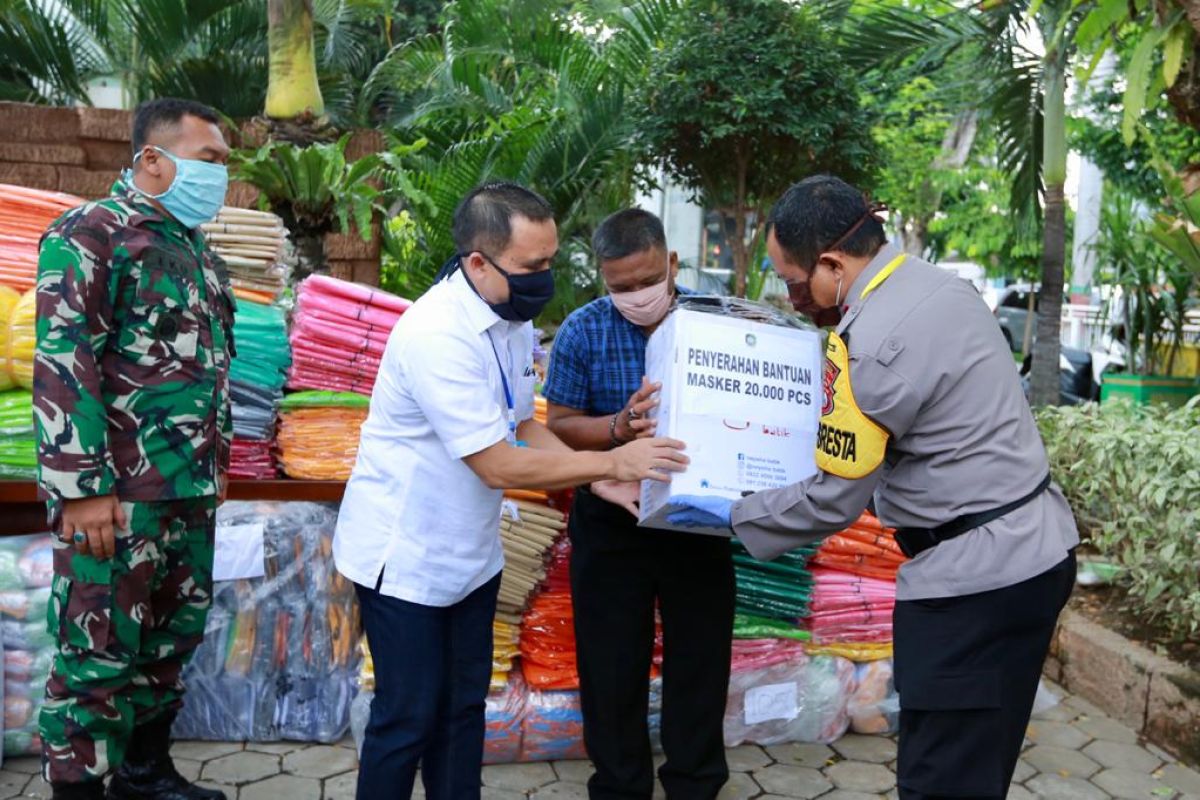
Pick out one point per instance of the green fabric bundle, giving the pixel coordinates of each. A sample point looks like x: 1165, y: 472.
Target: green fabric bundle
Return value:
x: 18, y: 448
x: 777, y: 590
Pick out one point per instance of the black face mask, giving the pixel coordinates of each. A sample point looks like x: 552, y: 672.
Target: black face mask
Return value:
x: 528, y: 293
x: 801, y: 299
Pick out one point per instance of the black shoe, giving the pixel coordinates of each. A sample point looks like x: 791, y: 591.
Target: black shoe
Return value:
x: 88, y: 790
x: 155, y: 780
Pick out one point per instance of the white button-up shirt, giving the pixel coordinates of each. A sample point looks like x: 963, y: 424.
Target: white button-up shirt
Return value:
x: 413, y: 511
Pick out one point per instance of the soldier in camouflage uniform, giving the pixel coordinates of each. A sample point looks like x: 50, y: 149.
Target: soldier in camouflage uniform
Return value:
x: 131, y: 400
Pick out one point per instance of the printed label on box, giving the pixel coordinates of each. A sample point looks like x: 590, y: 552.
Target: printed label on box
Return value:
x: 239, y: 552
x: 776, y: 701
x: 759, y: 376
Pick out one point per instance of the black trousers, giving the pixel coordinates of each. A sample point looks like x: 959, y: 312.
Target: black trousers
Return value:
x: 432, y: 670
x: 967, y: 670
x: 618, y: 571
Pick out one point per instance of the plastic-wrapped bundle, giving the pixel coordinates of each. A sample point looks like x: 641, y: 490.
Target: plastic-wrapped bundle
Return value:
x: 24, y: 216
x: 874, y: 706
x: 865, y: 548
x: 553, y: 727
x: 18, y: 448
x: 778, y: 694
x: 252, y: 460
x: 778, y: 589
x: 506, y: 646
x: 18, y: 337
x: 26, y: 571
x: 279, y: 659
x: 528, y: 531
x: 339, y: 331
x: 318, y: 434
x: 851, y: 608
x: 254, y: 247
x: 505, y: 713
x: 548, y: 643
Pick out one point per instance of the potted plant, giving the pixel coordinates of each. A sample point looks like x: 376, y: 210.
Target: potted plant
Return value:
x: 1156, y: 263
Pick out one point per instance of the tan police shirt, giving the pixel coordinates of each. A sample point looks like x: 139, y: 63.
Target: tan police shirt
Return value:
x: 929, y: 365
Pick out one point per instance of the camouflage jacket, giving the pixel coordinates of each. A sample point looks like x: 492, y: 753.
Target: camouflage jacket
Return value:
x: 134, y: 340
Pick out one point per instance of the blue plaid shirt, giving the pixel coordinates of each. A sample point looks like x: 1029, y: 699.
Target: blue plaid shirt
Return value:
x: 597, y: 361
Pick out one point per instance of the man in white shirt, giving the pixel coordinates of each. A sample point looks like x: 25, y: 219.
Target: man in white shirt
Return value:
x: 450, y: 427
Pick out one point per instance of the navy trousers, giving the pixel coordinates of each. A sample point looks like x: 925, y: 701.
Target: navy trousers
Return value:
x: 433, y: 666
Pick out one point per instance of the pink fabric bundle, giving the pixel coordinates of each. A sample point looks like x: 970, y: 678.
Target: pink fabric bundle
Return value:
x: 850, y: 608
x: 339, y: 331
x: 752, y: 654
x: 252, y: 460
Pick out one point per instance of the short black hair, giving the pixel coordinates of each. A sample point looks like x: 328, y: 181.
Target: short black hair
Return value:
x: 483, y: 220
x: 815, y: 213
x: 626, y: 232
x: 166, y: 112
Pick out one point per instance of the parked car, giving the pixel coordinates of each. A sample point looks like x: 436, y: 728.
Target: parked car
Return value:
x: 1012, y: 312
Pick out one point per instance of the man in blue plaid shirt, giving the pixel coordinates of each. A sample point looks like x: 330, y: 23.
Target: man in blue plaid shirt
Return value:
x: 598, y: 397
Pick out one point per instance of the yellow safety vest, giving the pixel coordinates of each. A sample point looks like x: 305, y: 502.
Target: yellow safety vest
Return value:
x: 849, y: 443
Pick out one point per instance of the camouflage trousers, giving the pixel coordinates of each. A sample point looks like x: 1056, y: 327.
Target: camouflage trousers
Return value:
x: 125, y: 628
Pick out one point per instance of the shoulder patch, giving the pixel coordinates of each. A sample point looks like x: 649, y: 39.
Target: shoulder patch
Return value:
x: 849, y: 443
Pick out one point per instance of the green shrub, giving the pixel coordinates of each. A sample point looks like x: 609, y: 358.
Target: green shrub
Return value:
x: 1133, y: 479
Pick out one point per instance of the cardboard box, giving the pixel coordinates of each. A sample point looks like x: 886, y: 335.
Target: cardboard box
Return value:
x: 744, y: 396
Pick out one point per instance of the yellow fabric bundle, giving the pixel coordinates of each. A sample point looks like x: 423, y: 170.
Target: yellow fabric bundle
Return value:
x: 21, y: 340
x: 8, y: 303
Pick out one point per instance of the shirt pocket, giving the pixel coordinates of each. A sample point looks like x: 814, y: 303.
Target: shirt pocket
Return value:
x: 523, y: 400
x: 160, y: 324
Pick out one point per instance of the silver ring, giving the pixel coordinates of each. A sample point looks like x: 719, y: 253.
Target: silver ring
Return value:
x: 633, y: 415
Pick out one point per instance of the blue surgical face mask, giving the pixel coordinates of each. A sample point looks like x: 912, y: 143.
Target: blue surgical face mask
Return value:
x: 197, y: 193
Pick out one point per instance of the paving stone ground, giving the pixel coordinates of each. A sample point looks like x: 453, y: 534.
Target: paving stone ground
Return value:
x: 1073, y: 752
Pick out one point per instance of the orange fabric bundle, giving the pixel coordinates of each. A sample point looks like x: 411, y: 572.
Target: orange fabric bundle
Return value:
x: 865, y: 548
x: 319, y: 443
x: 548, y: 643
x: 24, y: 216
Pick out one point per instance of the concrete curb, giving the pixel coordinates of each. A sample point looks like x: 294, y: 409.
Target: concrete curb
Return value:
x: 1155, y: 696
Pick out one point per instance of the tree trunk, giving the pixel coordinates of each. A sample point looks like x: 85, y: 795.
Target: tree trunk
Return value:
x: 737, y: 248
x: 1047, y: 348
x: 913, y: 233
x: 292, y: 89
x: 310, y: 254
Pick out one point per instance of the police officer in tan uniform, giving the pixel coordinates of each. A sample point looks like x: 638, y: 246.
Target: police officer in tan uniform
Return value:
x: 924, y: 413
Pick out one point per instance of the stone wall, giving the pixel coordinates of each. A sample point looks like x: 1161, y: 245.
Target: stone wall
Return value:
x: 80, y: 151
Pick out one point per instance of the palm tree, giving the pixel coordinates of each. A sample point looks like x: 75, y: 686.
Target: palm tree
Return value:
x: 213, y: 51
x: 1021, y: 93
x: 522, y: 90
x: 294, y: 104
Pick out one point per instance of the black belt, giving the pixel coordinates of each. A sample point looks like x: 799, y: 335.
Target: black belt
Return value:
x: 914, y: 541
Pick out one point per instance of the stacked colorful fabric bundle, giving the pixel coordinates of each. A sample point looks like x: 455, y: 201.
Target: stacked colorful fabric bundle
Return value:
x: 18, y: 337
x: 280, y: 658
x: 24, y: 216
x: 339, y: 331
x: 548, y: 630
x: 506, y: 646
x: 771, y: 596
x: 865, y: 548
x: 253, y: 245
x: 855, y: 591
x: 318, y: 434
x: 26, y: 570
x: 256, y: 379
x: 18, y: 448
x: 528, y: 531
x: 778, y: 693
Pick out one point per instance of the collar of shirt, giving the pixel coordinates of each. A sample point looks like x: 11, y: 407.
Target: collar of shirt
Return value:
x: 143, y: 211
x: 479, y: 314
x: 854, y: 299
